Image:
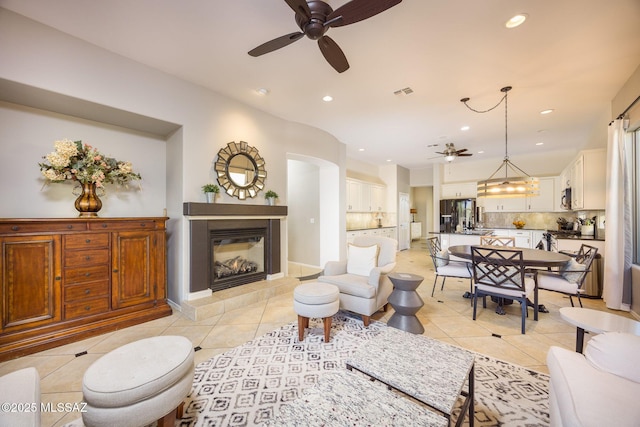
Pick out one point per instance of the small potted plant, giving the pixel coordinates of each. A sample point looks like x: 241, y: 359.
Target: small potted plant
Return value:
x: 210, y: 191
x: 271, y: 197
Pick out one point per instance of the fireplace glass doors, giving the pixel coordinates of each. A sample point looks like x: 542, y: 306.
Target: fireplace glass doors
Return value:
x: 238, y: 257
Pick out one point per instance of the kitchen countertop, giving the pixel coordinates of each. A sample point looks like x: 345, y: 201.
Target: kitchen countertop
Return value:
x: 371, y: 228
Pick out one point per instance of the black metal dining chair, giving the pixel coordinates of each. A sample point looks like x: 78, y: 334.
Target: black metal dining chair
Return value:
x: 500, y: 273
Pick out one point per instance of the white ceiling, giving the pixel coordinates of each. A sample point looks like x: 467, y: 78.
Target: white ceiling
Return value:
x: 570, y: 55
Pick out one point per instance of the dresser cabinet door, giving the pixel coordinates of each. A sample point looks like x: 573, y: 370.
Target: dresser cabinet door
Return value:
x: 30, y: 295
x: 138, y: 268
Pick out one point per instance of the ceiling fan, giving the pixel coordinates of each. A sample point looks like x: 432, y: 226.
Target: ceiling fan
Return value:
x: 314, y: 19
x: 451, y: 153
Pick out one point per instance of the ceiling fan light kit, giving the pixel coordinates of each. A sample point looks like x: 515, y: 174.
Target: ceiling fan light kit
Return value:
x: 315, y: 17
x: 521, y: 185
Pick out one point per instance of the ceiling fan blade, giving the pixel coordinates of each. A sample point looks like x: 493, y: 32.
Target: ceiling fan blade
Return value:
x: 465, y: 154
x: 275, y: 44
x: 300, y: 7
x: 333, y: 54
x: 437, y: 152
x: 358, y: 10
x: 462, y: 150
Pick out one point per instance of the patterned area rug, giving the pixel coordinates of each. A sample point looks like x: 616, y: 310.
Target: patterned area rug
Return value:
x: 247, y: 385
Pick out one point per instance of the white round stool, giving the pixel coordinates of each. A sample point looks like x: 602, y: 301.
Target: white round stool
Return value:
x: 139, y: 383
x: 319, y: 300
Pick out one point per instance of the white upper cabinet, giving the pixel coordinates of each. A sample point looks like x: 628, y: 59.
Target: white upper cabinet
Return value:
x: 365, y: 197
x: 545, y: 202
x: 378, y: 198
x: 586, y: 176
x: 461, y: 190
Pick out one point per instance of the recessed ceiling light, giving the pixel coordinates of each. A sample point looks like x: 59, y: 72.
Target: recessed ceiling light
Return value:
x: 360, y: 149
x: 481, y: 152
x: 516, y: 20
x: 465, y: 128
x: 539, y: 143
x: 388, y: 160
x: 262, y: 91
x: 549, y: 111
x: 327, y: 98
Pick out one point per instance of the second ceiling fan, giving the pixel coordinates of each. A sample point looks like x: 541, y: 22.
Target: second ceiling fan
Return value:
x: 314, y: 19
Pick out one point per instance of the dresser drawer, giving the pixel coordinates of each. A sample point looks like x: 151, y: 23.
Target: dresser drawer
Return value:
x: 86, y: 274
x: 86, y: 291
x: 88, y: 257
x: 124, y: 225
x: 86, y: 241
x: 41, y: 227
x: 86, y: 308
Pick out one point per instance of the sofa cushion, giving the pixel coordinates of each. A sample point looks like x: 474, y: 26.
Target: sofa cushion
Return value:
x: 572, y: 270
x: 442, y: 258
x: 615, y: 352
x: 351, y: 284
x: 587, y: 396
x: 361, y: 260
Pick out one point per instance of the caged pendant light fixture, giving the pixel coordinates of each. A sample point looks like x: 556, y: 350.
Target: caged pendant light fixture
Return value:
x: 520, y: 185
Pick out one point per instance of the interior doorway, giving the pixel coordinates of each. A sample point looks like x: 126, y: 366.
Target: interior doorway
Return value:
x: 404, y: 217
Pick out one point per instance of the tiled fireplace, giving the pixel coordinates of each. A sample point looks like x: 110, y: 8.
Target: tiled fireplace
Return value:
x: 232, y: 245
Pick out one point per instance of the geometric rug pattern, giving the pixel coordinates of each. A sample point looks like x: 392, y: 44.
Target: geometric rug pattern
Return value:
x: 247, y: 385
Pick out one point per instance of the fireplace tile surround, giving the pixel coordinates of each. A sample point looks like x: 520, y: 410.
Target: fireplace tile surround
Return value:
x: 206, y: 217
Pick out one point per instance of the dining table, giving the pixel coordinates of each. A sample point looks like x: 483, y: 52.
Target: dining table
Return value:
x: 532, y: 258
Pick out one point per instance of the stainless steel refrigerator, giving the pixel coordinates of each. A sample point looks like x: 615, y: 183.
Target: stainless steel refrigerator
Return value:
x: 457, y: 214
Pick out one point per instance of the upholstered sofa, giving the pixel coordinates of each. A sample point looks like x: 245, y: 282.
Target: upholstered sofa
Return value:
x: 362, y: 279
x: 598, y: 388
x: 20, y: 393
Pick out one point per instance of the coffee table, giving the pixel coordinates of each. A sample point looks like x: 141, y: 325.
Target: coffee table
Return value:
x: 406, y: 302
x: 430, y: 371
x: 598, y: 322
x: 343, y: 398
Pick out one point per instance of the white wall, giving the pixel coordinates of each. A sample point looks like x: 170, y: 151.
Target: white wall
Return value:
x: 41, y: 57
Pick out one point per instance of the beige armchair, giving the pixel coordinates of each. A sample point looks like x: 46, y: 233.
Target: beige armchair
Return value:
x: 361, y: 292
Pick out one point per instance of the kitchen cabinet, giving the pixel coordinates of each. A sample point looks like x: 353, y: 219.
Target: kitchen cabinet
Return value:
x: 378, y: 198
x: 389, y: 232
x: 65, y: 280
x: 354, y: 196
x: 544, y: 202
x: 416, y: 230
x: 365, y: 197
x: 587, y: 180
x: 523, y: 238
x: 461, y: 190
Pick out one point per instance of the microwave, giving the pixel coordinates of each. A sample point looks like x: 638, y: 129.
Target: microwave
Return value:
x: 565, y: 201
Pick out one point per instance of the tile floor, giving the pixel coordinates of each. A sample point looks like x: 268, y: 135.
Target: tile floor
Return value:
x: 446, y: 316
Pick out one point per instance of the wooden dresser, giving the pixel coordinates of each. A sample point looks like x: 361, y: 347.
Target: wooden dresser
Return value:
x: 67, y: 279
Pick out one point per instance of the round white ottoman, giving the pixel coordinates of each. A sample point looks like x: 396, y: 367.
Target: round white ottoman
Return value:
x: 139, y: 383
x: 319, y: 300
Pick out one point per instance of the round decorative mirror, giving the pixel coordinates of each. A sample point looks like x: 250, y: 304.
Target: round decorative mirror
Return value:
x: 240, y: 170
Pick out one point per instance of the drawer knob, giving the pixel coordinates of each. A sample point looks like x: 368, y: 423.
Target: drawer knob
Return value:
x: 58, y: 277
x: 87, y: 258
x: 88, y: 241
x: 87, y: 307
x: 143, y: 225
x: 87, y: 274
x: 87, y: 291
x: 15, y: 228
x: 104, y: 225
x: 70, y: 226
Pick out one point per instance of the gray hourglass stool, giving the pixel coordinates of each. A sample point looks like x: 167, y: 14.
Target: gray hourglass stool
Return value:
x: 406, y: 302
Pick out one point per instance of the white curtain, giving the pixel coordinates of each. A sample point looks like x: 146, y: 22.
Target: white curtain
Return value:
x: 619, y: 220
